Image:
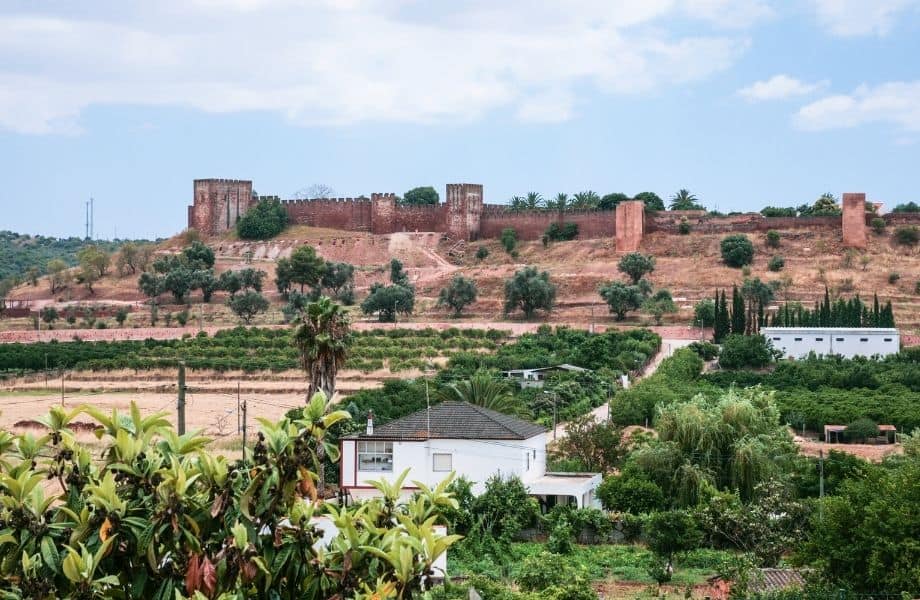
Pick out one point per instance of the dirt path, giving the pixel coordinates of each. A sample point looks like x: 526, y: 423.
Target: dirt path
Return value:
x: 602, y: 412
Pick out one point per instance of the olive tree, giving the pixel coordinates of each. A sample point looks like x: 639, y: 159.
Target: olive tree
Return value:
x: 529, y: 290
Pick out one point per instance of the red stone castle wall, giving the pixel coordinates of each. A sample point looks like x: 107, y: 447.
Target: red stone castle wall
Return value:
x: 531, y: 225
x: 429, y: 217
x: 350, y: 214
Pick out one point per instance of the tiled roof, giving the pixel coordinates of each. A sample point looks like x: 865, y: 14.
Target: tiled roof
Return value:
x: 458, y: 421
x: 778, y: 579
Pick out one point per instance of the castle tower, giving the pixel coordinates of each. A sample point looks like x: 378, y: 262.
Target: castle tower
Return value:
x: 854, y: 221
x: 383, y: 213
x: 630, y: 225
x: 218, y: 204
x: 464, y: 210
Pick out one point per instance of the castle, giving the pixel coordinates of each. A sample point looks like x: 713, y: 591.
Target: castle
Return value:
x: 219, y: 203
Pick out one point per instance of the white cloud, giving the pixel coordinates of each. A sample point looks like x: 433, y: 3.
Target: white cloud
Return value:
x: 779, y: 87
x: 345, y: 61
x: 896, y: 103
x: 861, y: 17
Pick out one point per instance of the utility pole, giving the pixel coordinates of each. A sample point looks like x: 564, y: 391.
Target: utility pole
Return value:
x: 821, y: 483
x: 62, y: 387
x: 237, y: 406
x: 244, y: 430
x: 180, y: 406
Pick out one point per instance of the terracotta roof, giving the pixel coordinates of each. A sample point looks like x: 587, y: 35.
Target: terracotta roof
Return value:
x: 458, y: 421
x: 778, y: 579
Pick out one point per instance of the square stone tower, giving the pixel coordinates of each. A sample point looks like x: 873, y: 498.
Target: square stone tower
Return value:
x: 630, y: 225
x: 854, y: 221
x: 218, y: 204
x: 464, y: 210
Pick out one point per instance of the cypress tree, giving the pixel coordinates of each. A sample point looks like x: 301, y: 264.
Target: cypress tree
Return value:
x: 738, y: 312
x: 875, y: 310
x: 886, y: 319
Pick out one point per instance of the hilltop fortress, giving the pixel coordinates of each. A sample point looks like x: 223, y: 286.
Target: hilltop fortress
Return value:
x: 219, y: 203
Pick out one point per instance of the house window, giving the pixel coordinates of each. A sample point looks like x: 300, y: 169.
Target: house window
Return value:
x: 776, y: 339
x: 839, y: 339
x: 798, y: 339
x: 887, y: 339
x: 442, y: 462
x: 819, y: 339
x: 863, y: 339
x: 375, y: 456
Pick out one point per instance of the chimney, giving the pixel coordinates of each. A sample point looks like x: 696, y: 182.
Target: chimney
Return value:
x: 370, y: 422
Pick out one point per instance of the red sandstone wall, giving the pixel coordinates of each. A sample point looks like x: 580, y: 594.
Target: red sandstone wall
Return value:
x: 854, y: 220
x: 630, y: 225
x: 218, y: 204
x: 349, y: 214
x: 420, y: 218
x: 528, y: 225
x: 463, y: 211
x: 748, y: 222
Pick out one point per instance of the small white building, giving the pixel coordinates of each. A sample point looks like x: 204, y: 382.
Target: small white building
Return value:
x: 537, y: 376
x: 472, y: 441
x: 797, y: 342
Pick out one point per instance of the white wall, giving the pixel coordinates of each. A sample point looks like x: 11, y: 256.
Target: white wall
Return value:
x: 477, y: 460
x: 797, y: 342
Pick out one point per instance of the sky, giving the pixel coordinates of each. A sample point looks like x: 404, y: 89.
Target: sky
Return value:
x: 746, y: 103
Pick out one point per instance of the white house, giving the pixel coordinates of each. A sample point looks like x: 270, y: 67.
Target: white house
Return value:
x: 535, y: 377
x: 472, y: 441
x: 797, y: 342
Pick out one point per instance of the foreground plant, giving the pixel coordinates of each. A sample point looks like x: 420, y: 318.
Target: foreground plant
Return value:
x: 155, y: 515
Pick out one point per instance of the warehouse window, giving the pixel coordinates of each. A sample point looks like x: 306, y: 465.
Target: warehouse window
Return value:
x: 819, y: 339
x: 839, y: 339
x: 798, y: 339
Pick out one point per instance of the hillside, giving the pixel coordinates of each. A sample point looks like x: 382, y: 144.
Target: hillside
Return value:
x: 689, y: 266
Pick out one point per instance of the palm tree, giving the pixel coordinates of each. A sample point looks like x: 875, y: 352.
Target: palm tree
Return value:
x: 482, y: 389
x: 560, y: 202
x: 533, y: 201
x: 684, y: 200
x: 322, y: 339
x: 517, y: 203
x: 585, y: 200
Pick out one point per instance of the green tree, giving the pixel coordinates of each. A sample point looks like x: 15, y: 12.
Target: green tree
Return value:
x: 738, y: 320
x: 529, y: 290
x: 862, y: 429
x: 265, y: 220
x: 305, y: 267
x: 776, y: 263
x: 481, y: 389
x: 386, y: 301
x: 398, y: 275
x: 586, y: 200
x: 94, y: 258
x: 49, y: 314
x: 458, y: 294
x: 745, y: 351
x: 637, y: 265
x: 198, y: 255
x: 481, y: 253
x: 58, y: 275
x: 651, y: 200
x: 737, y: 250
x: 631, y: 493
x: 670, y: 533
x: 205, y: 281
x: 621, y: 298
x: 610, y: 201
x: 251, y: 278
x: 179, y: 282
x: 509, y: 239
x: 909, y: 207
x: 339, y: 279
x: 660, y: 304
x: 126, y: 259
x: 595, y: 446
x: 559, y: 203
x: 151, y: 285
x: 321, y: 337
x: 704, y: 312
x: 229, y: 281
x: 907, y: 235
x: 773, y: 238
x: 421, y: 196
x: 247, y: 305
x: 684, y: 200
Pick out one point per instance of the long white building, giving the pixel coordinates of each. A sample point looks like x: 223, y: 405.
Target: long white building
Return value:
x: 797, y: 342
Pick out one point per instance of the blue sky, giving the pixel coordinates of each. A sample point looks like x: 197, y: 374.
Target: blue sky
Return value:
x: 744, y: 102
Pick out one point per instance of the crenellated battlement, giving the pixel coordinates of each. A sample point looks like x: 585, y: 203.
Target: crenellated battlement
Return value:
x: 357, y: 200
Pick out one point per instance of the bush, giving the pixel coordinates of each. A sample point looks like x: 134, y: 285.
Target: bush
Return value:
x: 482, y: 252
x: 631, y: 494
x: 683, y: 227
x: 529, y: 290
x: 907, y: 236
x: 247, y: 305
x: 636, y: 265
x: 556, y: 232
x: 894, y: 277
x: 737, y: 250
x: 776, y: 263
x: 773, y: 238
x: 121, y: 316
x: 878, y: 225
x: 509, y: 239
x: 544, y: 570
x: 917, y: 287
x: 705, y: 350
x: 264, y: 220
x: 704, y: 313
x: 861, y: 429
x: 740, y: 351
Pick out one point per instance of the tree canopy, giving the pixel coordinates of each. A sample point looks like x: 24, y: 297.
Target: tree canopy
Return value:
x: 529, y: 290
x: 263, y: 221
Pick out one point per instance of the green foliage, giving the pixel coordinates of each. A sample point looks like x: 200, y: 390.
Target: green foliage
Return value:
x: 509, y: 239
x: 621, y: 298
x: 825, y: 206
x: 894, y: 277
x: 481, y: 253
x: 304, y: 267
x: 651, y: 200
x: 737, y: 250
x: 636, y: 265
x: 746, y: 351
x: 594, y: 446
x: 156, y: 514
x: 907, y: 235
x: 773, y: 238
x: 861, y: 429
x: 421, y: 196
x: 637, y: 405
x: 199, y: 255
x: 458, y: 294
x: 386, y: 301
x: 631, y: 493
x: 909, y: 207
x: 878, y: 225
x: 20, y: 253
x: 263, y: 221
x: 773, y: 211
x: 556, y: 232
x: 683, y: 227
x: 704, y: 349
x: 610, y: 201
x: 504, y: 508
x: 865, y: 537
x: 672, y: 532
x: 684, y: 200
x: 776, y: 263
x: 704, y: 313
x: 247, y: 305
x: 843, y: 312
x: 529, y: 290
x: 659, y: 305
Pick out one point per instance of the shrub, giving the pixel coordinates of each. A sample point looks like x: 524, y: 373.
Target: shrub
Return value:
x: 182, y: 318
x: 101, y: 325
x: 544, y: 570
x: 556, y: 232
x: 264, y: 220
x: 773, y: 238
x: 636, y: 265
x: 529, y: 290
x: 460, y: 292
x: 121, y: 316
x: 746, y: 271
x: 907, y: 236
x: 705, y: 350
x: 704, y: 313
x: 509, y: 239
x: 893, y: 277
x: 247, y: 305
x: 861, y: 429
x: 482, y: 252
x: 683, y: 227
x: 737, y: 250
x: 740, y: 351
x: 776, y: 263
x: 631, y: 494
x: 917, y: 287
x: 878, y: 225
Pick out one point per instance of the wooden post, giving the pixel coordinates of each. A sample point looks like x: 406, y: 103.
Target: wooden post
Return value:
x: 180, y: 405
x: 244, y: 430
